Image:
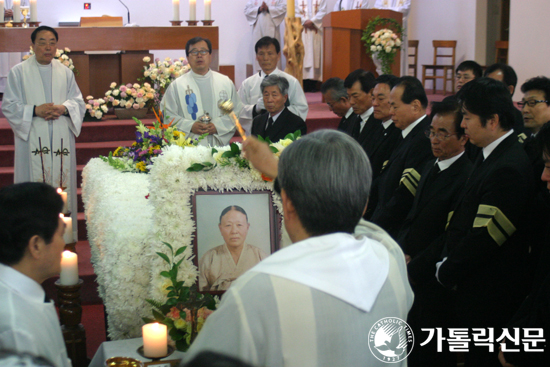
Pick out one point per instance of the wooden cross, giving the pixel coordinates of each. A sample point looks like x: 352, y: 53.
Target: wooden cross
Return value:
x: 303, y: 6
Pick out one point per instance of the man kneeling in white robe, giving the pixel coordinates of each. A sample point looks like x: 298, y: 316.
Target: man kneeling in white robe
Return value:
x: 314, y: 302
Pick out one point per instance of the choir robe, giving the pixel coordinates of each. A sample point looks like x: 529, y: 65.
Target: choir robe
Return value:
x: 178, y: 105
x: 312, y: 303
x: 251, y: 95
x: 402, y: 6
x: 29, y: 323
x: 352, y: 4
x: 19, y: 113
x: 313, y: 10
x: 265, y: 23
x: 217, y: 269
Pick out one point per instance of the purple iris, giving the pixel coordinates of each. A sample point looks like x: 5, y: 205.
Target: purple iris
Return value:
x: 139, y: 137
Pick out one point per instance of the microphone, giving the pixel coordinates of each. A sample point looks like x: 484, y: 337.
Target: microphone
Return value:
x: 126, y: 9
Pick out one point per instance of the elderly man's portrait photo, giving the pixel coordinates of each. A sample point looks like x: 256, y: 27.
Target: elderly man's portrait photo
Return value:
x: 235, y: 231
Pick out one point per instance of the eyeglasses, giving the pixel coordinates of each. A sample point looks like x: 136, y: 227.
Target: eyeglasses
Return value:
x: 439, y: 135
x: 197, y: 52
x: 531, y: 103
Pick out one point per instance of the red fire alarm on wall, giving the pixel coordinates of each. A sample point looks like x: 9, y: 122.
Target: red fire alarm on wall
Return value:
x: 87, y: 6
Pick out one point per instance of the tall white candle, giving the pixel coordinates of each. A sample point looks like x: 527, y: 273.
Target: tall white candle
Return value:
x: 290, y: 8
x: 68, y: 236
x: 16, y: 7
x: 33, y: 11
x: 176, y: 5
x: 155, y: 340
x: 64, y: 197
x: 1, y: 11
x: 192, y: 9
x: 69, y: 268
x: 207, y: 10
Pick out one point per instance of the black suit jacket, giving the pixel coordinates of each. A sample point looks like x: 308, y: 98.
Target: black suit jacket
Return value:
x: 432, y: 204
x: 385, y: 143
x: 367, y: 137
x: 286, y: 123
x: 396, y: 186
x: 346, y: 124
x: 484, y: 243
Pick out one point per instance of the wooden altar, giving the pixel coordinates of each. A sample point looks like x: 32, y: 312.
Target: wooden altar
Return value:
x: 124, y: 49
x: 343, y: 50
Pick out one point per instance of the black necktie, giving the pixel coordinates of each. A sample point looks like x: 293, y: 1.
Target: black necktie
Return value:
x: 269, y: 123
x: 432, y: 175
x: 357, y: 128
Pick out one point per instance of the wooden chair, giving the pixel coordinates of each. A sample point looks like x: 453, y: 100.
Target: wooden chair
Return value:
x: 448, y: 69
x: 413, y: 46
x: 501, y: 54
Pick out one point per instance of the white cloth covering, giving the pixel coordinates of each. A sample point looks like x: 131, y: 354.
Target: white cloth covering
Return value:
x: 352, y: 4
x: 402, y: 6
x: 27, y: 323
x: 255, y: 324
x: 251, y: 95
x: 9, y: 59
x: 222, y: 88
x: 313, y: 10
x: 265, y: 23
x: 19, y: 110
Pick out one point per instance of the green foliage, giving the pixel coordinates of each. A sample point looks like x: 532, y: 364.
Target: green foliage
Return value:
x: 113, y: 162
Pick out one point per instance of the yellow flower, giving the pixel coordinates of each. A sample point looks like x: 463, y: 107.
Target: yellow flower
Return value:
x: 141, y: 166
x: 285, y: 142
x: 117, y: 151
x: 180, y: 324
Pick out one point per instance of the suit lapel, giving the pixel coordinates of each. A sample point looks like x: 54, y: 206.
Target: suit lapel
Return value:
x: 278, y: 124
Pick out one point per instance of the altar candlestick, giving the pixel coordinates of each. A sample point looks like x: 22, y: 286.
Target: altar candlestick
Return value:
x: 69, y: 268
x: 176, y: 5
x: 68, y: 236
x: 207, y: 9
x: 33, y: 11
x: 290, y: 8
x: 192, y: 9
x: 16, y: 7
x: 64, y: 197
x: 155, y: 340
x: 1, y: 11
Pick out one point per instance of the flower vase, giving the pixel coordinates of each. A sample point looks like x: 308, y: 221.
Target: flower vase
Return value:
x: 129, y: 113
x: 378, y: 63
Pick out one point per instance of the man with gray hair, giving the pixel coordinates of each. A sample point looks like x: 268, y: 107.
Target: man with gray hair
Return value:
x: 337, y: 99
x: 278, y: 121
x: 319, y: 301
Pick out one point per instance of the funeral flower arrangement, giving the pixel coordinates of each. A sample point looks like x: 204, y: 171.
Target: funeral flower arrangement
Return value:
x: 160, y: 73
x: 184, y: 309
x: 60, y: 55
x: 130, y: 95
x: 150, y: 140
x: 95, y: 108
x: 384, y: 43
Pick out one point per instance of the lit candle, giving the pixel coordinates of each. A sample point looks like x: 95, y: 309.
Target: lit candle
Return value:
x: 290, y: 8
x: 64, y: 197
x: 68, y: 236
x: 1, y: 11
x: 155, y: 340
x: 16, y: 7
x: 176, y: 5
x: 207, y: 9
x: 192, y: 9
x: 69, y: 268
x: 33, y: 11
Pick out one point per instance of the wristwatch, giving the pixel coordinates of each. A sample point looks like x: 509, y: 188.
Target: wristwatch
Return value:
x: 66, y: 113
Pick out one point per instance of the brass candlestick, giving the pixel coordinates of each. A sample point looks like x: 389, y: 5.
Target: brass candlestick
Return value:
x: 24, y: 12
x: 227, y: 108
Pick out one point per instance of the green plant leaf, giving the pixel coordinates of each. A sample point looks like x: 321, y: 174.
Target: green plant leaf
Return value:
x: 214, y: 150
x: 175, y: 334
x: 228, y: 154
x: 171, y: 294
x: 182, y: 346
x: 235, y: 148
x: 172, y: 302
x: 195, y: 167
x: 179, y: 262
x: 273, y: 149
x: 165, y: 274
x: 147, y: 320
x: 158, y: 316
x: 180, y: 250
x: 165, y: 257
x: 170, y: 247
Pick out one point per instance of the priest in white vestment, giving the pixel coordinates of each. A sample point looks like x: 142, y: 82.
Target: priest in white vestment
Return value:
x: 9, y: 59
x: 315, y: 302
x: 265, y: 18
x: 352, y: 4
x: 402, y: 6
x: 29, y: 256
x: 197, y: 93
x: 45, y: 109
x: 268, y: 54
x: 312, y: 13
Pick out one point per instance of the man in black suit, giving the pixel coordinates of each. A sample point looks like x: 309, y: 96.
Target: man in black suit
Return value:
x: 337, y: 99
x: 437, y: 194
x: 396, y: 186
x: 278, y: 122
x: 359, y: 84
x: 483, y: 253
